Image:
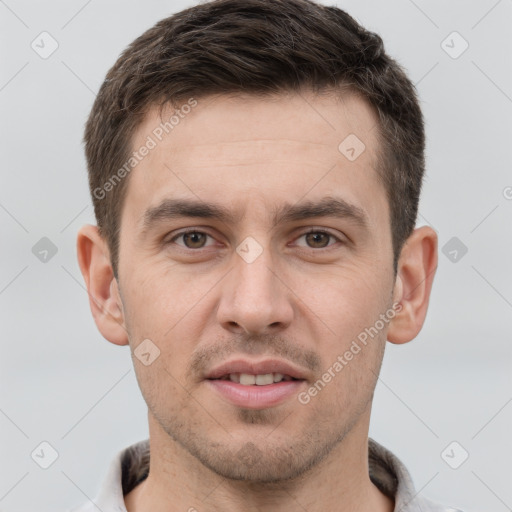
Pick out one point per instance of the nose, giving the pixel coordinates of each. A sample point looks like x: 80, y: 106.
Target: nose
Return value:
x: 255, y: 298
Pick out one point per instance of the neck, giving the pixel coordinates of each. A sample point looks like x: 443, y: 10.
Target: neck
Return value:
x: 177, y: 481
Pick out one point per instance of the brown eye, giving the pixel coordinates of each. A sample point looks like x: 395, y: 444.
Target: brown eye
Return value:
x: 318, y: 239
x: 192, y: 239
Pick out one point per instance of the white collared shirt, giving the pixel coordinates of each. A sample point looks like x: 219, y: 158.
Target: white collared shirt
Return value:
x: 387, y: 472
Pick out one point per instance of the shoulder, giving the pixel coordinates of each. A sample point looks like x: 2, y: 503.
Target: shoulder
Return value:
x: 389, y: 473
x: 126, y: 470
x: 422, y: 504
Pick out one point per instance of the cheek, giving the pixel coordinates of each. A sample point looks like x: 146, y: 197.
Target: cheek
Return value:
x: 344, y: 391
x: 160, y: 299
x: 162, y: 389
x: 172, y: 310
x: 347, y: 299
x: 350, y: 304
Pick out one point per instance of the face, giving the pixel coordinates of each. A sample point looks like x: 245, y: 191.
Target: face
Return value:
x: 249, y: 238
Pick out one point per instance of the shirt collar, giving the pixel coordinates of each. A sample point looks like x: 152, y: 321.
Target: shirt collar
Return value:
x: 131, y: 465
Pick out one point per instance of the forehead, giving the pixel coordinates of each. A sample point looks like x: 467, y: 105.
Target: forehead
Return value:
x: 224, y: 119
x: 280, y: 147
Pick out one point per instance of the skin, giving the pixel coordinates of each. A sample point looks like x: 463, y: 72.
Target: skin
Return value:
x: 304, y: 299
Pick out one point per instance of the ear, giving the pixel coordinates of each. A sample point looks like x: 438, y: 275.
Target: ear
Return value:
x: 104, y: 297
x: 415, y: 275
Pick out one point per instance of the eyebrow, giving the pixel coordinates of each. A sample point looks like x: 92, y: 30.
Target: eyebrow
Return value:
x: 336, y: 207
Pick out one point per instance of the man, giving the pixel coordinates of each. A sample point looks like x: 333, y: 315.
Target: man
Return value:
x: 255, y: 168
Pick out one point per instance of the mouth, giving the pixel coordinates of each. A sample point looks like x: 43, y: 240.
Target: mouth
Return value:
x: 265, y: 379
x: 260, y: 373
x: 256, y: 384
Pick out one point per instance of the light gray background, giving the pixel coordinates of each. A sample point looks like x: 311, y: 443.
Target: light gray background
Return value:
x: 61, y: 382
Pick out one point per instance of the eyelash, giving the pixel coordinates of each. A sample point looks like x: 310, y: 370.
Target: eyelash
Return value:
x: 311, y: 230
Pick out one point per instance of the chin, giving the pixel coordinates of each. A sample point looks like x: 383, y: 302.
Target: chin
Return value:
x: 252, y: 458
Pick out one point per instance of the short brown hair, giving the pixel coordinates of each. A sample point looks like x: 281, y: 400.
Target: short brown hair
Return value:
x: 257, y: 47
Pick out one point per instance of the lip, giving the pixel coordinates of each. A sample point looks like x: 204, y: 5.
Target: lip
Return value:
x: 255, y: 368
x: 256, y: 397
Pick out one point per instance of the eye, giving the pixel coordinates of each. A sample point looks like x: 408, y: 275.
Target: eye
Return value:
x: 191, y: 239
x: 318, y: 239
x: 195, y: 239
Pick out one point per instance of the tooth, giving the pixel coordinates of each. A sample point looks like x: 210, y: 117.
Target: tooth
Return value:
x: 262, y: 380
x: 247, y: 380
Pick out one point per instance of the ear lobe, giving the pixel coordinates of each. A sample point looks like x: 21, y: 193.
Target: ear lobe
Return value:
x: 104, y: 298
x: 416, y: 269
